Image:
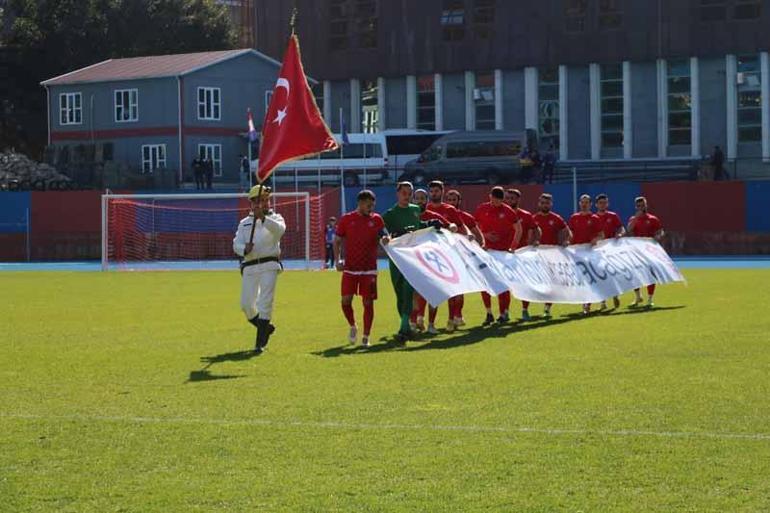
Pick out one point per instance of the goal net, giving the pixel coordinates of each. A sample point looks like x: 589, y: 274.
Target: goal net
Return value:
x: 184, y: 231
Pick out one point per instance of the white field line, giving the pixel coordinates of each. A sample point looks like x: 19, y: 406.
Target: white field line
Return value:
x: 393, y: 427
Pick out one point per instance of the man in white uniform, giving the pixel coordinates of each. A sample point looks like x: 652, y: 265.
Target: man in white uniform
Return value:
x: 258, y: 242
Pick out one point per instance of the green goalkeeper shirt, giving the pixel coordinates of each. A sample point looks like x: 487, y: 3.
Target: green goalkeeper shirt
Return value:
x: 400, y: 220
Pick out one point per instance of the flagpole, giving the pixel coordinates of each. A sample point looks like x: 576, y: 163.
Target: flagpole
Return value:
x: 342, y: 163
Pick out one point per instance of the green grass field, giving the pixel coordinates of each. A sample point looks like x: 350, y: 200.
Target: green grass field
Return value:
x: 127, y: 392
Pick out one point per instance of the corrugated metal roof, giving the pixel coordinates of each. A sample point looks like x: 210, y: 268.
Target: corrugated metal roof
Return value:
x: 149, y: 67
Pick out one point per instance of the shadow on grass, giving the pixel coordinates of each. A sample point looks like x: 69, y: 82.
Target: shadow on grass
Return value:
x: 478, y: 334
x: 424, y: 341
x: 205, y: 374
x: 622, y: 311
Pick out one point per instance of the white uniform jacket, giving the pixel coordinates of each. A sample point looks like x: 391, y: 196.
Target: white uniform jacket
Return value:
x: 267, y: 240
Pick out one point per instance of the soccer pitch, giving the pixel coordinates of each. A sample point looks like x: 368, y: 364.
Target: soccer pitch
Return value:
x: 128, y: 392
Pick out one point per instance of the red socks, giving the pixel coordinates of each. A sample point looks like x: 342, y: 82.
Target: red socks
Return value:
x: 650, y: 290
x: 368, y: 317
x: 505, y: 302
x: 525, y: 305
x: 487, y: 299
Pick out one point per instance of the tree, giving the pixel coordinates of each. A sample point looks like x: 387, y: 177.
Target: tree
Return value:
x: 56, y: 36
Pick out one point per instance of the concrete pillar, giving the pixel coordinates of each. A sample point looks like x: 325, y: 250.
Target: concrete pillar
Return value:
x: 411, y: 102
x: 563, y: 114
x: 628, y: 120
x: 355, y: 106
x: 470, y: 104
x: 662, y: 83
x: 381, y: 110
x: 531, y: 99
x: 328, y: 102
x: 764, y: 61
x: 438, y: 95
x: 498, y: 99
x: 731, y: 76
x: 595, y: 112
x: 695, y: 144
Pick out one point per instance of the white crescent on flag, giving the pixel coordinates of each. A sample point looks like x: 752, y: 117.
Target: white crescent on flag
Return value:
x: 281, y: 113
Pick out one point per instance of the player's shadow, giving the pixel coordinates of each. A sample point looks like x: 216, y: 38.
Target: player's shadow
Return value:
x: 622, y: 311
x: 479, y: 334
x: 205, y: 374
x: 389, y: 343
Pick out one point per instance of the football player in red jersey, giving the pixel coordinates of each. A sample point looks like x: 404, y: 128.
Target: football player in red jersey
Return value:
x: 360, y: 231
x: 530, y: 234
x: 612, y: 227
x: 417, y: 318
x: 586, y: 228
x: 455, y: 198
x: 644, y: 224
x: 502, y: 230
x: 554, y: 231
x: 437, y: 204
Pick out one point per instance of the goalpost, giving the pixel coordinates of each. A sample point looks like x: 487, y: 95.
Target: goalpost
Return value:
x: 184, y: 231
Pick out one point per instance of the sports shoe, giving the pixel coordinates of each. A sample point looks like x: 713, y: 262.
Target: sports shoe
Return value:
x: 365, y: 341
x: 636, y: 304
x: 503, y: 319
x: 353, y: 335
x: 587, y: 309
x: 459, y: 321
x: 402, y: 337
x: 603, y: 306
x: 547, y: 314
x: 650, y: 303
x: 450, y: 326
x: 431, y: 330
x: 420, y: 324
x: 488, y: 320
x: 525, y: 315
x: 616, y: 301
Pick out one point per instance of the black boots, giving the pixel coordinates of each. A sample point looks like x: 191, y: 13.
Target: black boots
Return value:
x: 264, y: 330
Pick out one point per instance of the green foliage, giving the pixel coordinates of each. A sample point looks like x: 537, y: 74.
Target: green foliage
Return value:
x: 129, y: 392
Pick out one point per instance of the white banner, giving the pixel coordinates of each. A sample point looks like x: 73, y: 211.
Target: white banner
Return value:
x: 440, y: 265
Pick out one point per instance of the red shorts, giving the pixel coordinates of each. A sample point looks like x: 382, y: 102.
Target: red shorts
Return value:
x: 364, y: 285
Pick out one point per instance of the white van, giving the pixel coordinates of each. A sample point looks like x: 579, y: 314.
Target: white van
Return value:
x: 362, y: 161
x: 405, y: 145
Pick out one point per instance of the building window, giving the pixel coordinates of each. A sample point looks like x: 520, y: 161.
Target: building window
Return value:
x: 126, y: 105
x: 747, y: 9
x: 610, y: 14
x: 483, y: 18
x: 749, y: 99
x: 484, y: 100
x: 548, y: 106
x: 612, y: 105
x: 713, y: 10
x: 209, y: 103
x: 575, y: 15
x: 679, y: 103
x: 212, y: 152
x: 153, y: 157
x: 426, y: 102
x: 352, y: 23
x: 453, y: 20
x: 71, y: 108
x: 318, y: 94
x: 370, y: 115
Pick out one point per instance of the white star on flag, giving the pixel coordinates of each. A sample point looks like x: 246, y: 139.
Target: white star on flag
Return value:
x: 280, y: 115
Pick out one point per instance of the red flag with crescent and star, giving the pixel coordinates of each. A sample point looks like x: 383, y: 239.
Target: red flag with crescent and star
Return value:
x: 293, y: 126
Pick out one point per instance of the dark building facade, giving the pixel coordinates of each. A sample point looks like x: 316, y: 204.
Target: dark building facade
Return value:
x: 598, y: 79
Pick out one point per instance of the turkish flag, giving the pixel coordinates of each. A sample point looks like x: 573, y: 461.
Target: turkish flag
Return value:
x: 293, y: 126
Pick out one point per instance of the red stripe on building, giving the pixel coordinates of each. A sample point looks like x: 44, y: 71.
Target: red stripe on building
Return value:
x: 119, y: 133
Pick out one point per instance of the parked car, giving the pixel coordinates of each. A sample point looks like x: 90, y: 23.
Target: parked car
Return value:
x: 471, y: 157
x: 405, y: 145
x: 363, y: 160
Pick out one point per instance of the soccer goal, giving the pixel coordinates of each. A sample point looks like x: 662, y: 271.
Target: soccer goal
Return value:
x: 191, y: 231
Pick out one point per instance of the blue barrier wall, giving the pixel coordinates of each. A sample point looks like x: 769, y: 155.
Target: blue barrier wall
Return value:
x: 621, y: 197
x: 13, y: 211
x: 758, y: 207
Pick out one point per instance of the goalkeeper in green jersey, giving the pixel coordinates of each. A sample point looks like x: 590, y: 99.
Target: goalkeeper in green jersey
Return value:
x: 401, y: 218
